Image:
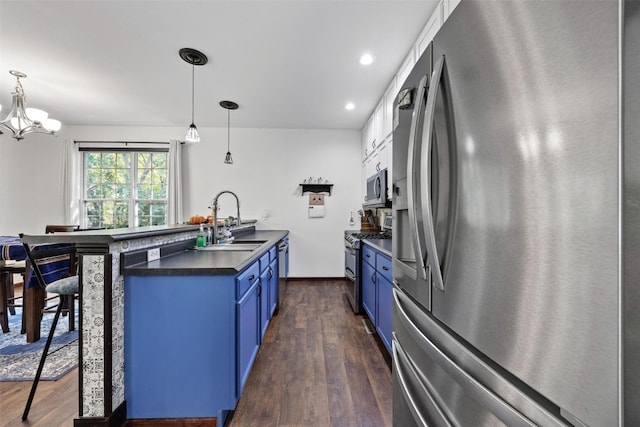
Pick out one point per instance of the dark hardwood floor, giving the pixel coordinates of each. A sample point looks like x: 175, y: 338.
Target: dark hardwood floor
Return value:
x: 317, y: 367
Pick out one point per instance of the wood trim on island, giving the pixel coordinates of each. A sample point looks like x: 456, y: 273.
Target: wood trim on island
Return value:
x: 173, y: 422
x: 117, y: 419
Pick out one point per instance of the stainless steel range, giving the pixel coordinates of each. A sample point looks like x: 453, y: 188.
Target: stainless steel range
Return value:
x: 352, y: 260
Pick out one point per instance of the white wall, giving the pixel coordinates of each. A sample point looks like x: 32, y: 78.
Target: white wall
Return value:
x: 269, y: 165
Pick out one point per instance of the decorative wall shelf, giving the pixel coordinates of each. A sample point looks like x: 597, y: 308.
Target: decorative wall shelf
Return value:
x: 316, y: 188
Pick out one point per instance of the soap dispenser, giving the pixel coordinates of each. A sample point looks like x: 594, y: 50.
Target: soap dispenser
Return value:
x: 201, y: 241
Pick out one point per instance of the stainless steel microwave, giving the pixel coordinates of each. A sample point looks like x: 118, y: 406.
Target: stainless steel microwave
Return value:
x: 377, y: 196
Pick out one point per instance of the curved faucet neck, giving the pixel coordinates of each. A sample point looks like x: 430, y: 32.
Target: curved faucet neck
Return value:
x: 214, y: 207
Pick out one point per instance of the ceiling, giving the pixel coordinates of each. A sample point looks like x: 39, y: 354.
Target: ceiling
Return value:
x: 288, y: 64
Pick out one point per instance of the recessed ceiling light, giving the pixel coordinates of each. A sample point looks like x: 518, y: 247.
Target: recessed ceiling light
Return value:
x: 349, y: 106
x: 366, y: 59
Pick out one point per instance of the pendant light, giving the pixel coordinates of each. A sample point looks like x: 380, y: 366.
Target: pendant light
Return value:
x: 228, y: 105
x: 193, y: 57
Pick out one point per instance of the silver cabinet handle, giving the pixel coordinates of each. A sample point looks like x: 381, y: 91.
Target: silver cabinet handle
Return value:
x: 400, y: 359
x: 413, y: 188
x: 472, y: 387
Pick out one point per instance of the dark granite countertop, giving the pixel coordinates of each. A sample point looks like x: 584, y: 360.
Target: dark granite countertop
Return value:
x: 194, y: 262
x: 104, y: 237
x: 382, y: 245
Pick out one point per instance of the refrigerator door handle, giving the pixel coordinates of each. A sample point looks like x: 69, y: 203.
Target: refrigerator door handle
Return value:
x: 413, y: 188
x: 471, y: 386
x: 433, y: 257
x: 400, y: 360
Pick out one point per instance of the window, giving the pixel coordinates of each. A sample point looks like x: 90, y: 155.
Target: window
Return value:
x: 124, y: 188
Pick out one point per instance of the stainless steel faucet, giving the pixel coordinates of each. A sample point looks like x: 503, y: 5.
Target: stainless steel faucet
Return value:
x: 214, y: 207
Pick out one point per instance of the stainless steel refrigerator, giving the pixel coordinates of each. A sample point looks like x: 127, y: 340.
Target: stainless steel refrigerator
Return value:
x: 516, y: 182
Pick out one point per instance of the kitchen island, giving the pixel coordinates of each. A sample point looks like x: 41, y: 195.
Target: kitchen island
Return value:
x: 106, y: 258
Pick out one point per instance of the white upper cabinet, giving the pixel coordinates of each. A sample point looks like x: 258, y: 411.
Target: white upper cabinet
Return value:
x: 388, y: 98
x: 379, y: 122
x: 406, y: 67
x: 430, y: 29
x: 448, y: 6
x: 369, y: 137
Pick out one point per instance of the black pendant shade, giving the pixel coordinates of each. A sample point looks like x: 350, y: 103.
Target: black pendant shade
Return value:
x: 228, y: 105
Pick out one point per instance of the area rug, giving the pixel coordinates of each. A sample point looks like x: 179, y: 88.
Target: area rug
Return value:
x: 19, y: 359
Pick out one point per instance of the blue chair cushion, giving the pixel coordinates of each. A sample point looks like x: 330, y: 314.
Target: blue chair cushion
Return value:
x: 64, y: 286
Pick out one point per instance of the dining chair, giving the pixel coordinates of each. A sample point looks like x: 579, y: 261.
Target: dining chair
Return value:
x: 8, y: 299
x: 66, y: 287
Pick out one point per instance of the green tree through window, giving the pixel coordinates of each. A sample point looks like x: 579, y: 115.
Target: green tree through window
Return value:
x: 125, y: 189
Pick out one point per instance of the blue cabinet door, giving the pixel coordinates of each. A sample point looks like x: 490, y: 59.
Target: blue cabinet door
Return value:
x: 273, y: 286
x: 180, y: 365
x: 384, y: 325
x: 248, y: 333
x: 369, y: 290
x: 263, y: 293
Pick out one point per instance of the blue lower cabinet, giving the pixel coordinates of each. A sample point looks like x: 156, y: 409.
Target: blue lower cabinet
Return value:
x: 263, y: 291
x: 273, y: 286
x: 385, y: 311
x: 180, y: 340
x: 248, y: 331
x: 377, y: 291
x: 191, y: 341
x: 369, y: 290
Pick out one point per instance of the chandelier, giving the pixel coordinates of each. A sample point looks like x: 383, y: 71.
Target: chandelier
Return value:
x: 22, y: 121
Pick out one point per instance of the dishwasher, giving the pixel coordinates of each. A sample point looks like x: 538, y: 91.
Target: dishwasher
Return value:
x: 283, y: 270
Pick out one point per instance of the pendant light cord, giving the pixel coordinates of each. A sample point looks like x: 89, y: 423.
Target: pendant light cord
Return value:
x: 228, y: 127
x: 193, y: 76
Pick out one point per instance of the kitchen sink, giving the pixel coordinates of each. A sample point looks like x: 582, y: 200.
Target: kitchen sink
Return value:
x: 232, y: 247
x: 235, y: 245
x: 245, y: 242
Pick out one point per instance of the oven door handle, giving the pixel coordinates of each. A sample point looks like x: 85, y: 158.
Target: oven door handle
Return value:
x: 350, y: 274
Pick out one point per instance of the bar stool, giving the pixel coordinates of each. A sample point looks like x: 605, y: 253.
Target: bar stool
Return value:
x: 7, y: 297
x: 67, y: 288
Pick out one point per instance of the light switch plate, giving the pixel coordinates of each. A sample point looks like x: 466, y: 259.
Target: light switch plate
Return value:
x: 153, y: 254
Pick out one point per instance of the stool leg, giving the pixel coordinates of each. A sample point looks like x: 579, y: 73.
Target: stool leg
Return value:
x: 4, y: 316
x: 72, y: 312
x: 23, y: 330
x: 25, y: 414
x: 10, y: 293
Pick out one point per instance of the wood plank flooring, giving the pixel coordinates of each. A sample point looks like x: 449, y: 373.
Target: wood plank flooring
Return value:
x: 316, y: 367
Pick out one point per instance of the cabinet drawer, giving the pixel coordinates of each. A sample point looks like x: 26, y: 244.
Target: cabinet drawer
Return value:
x: 246, y: 279
x: 264, y: 262
x: 369, y: 255
x: 273, y: 253
x: 383, y: 265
